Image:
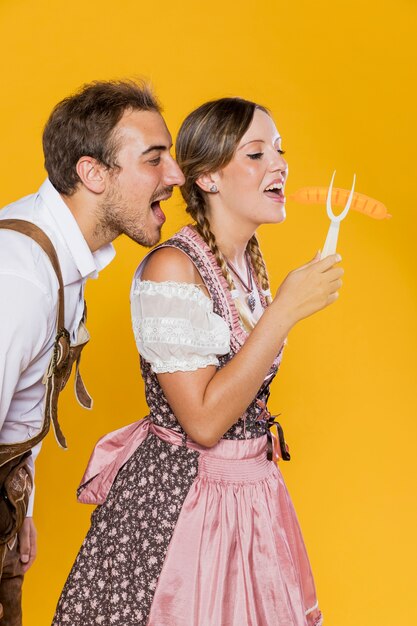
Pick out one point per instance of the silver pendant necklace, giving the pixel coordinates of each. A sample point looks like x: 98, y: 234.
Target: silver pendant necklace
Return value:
x: 248, y: 287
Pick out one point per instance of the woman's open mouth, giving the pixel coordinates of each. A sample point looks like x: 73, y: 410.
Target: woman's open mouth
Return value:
x: 275, y: 192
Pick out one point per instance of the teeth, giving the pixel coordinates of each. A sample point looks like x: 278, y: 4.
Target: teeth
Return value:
x: 274, y: 186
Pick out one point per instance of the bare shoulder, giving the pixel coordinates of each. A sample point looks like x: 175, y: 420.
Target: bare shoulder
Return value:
x: 170, y: 264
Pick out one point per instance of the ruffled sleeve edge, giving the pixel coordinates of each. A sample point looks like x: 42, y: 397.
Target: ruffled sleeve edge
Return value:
x: 171, y: 289
x: 177, y: 365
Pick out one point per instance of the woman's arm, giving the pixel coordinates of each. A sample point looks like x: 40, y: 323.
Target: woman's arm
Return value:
x: 207, y: 402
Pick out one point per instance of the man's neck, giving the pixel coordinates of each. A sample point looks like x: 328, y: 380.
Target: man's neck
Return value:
x: 85, y: 210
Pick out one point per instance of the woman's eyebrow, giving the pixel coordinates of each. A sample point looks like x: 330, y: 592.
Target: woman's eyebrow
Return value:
x: 252, y: 141
x: 258, y: 141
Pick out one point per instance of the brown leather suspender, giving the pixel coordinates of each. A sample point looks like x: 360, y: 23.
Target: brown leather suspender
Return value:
x: 63, y: 354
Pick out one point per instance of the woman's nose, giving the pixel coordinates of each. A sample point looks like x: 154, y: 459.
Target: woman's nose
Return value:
x: 278, y: 163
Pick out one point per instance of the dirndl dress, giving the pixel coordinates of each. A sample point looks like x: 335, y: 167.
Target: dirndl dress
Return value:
x: 185, y: 535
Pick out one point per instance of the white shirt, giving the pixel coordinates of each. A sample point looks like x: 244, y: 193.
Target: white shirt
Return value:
x: 28, y: 306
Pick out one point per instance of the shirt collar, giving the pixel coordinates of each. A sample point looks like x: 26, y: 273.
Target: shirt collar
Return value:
x: 87, y: 263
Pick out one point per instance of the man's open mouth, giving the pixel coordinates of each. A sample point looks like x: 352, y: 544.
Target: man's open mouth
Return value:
x: 157, y: 211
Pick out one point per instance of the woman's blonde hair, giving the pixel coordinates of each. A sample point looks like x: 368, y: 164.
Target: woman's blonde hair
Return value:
x: 206, y: 142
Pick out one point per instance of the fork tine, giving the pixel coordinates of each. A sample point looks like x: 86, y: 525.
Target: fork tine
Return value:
x: 342, y: 215
x: 349, y: 202
x: 329, y: 198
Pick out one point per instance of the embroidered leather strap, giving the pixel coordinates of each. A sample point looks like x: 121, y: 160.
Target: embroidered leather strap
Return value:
x: 63, y: 354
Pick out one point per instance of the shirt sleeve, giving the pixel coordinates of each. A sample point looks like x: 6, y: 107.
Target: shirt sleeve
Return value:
x: 25, y: 327
x: 175, y: 327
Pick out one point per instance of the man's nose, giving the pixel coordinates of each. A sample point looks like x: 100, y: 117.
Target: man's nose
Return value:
x: 173, y: 175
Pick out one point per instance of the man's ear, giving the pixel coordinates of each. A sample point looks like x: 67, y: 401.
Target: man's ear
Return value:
x: 208, y: 182
x: 92, y: 174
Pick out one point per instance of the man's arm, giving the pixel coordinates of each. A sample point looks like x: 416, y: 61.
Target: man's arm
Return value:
x: 26, y: 323
x: 25, y: 327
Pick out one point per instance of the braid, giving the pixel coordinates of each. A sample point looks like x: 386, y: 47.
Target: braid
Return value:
x: 203, y: 227
x: 259, y: 264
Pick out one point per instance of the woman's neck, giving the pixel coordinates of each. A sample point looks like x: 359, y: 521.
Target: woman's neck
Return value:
x: 231, y: 239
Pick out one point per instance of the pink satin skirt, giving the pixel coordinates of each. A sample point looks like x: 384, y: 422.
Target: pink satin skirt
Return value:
x: 237, y: 557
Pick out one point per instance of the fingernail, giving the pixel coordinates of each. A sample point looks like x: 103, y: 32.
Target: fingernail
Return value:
x: 338, y: 258
x: 24, y: 558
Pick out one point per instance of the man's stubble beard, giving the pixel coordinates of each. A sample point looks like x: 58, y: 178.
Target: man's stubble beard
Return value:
x: 114, y: 220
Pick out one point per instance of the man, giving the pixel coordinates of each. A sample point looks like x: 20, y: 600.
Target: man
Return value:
x: 107, y: 154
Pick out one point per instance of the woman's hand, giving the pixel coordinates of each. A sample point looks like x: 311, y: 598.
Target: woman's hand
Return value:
x: 309, y: 289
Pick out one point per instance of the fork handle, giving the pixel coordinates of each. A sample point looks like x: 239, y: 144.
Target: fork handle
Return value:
x: 331, y: 240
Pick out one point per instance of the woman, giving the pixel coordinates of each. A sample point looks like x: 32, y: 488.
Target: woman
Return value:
x: 197, y: 528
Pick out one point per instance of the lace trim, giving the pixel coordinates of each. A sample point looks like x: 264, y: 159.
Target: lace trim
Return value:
x: 178, y: 365
x: 172, y: 289
x: 179, y: 331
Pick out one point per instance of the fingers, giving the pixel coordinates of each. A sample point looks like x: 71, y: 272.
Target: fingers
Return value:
x: 334, y: 273
x: 332, y: 297
x: 312, y: 287
x: 334, y: 287
x: 27, y: 543
x: 321, y: 265
x: 325, y: 264
x: 330, y: 277
x: 24, y: 542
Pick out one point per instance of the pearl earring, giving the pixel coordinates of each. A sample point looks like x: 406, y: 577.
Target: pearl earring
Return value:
x: 213, y: 189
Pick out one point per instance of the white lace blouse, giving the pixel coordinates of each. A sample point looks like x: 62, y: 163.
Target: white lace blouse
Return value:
x: 175, y: 327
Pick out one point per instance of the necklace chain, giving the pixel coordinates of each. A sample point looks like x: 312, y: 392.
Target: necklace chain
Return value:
x: 248, y: 287
x: 250, y: 298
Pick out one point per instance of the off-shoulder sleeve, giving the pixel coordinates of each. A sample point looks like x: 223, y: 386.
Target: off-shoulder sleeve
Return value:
x: 175, y: 327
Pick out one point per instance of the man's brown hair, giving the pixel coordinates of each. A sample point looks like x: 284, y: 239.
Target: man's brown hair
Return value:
x: 83, y: 125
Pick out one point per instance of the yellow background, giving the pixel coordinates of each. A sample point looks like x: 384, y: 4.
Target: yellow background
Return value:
x: 339, y: 79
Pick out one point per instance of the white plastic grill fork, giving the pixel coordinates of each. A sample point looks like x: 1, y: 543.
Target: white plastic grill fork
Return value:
x: 331, y: 239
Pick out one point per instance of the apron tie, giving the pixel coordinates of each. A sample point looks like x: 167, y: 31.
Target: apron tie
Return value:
x: 277, y: 448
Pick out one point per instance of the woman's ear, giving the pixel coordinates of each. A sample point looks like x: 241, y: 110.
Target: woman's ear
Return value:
x: 92, y: 174
x: 208, y: 182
